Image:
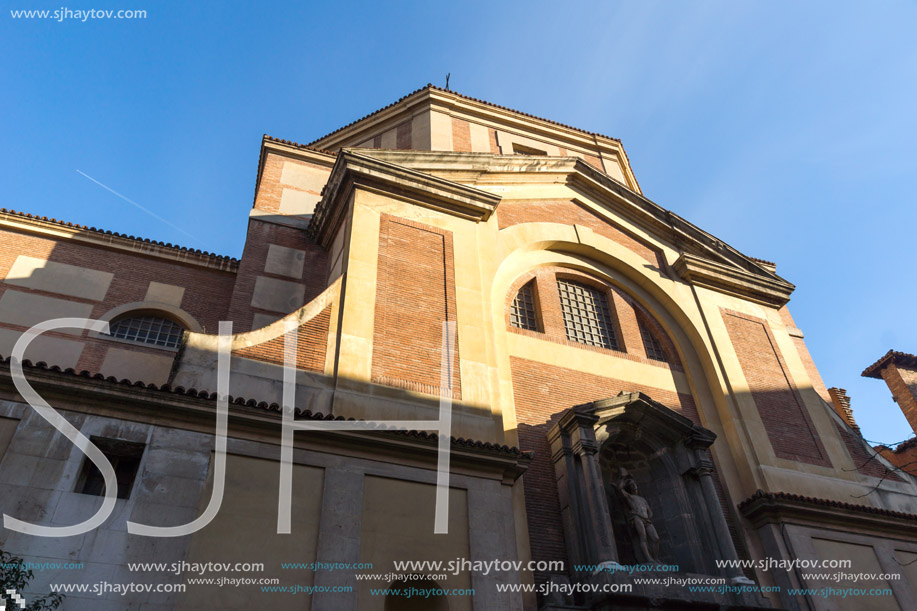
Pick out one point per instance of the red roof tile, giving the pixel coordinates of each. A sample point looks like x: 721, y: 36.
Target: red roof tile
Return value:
x: 449, y: 91
x: 761, y: 495
x: 274, y: 407
x: 35, y: 217
x: 892, y: 356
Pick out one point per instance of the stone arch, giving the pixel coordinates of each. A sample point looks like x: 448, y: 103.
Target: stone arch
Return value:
x: 154, y: 307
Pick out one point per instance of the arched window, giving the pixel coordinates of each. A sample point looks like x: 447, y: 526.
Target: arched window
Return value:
x: 147, y: 329
x: 522, y: 310
x: 587, y: 317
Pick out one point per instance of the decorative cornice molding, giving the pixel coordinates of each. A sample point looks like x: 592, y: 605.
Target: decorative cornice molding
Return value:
x: 773, y: 291
x: 708, y: 261
x: 60, y: 230
x: 196, y: 408
x: 639, y: 410
x: 355, y: 170
x: 778, y: 507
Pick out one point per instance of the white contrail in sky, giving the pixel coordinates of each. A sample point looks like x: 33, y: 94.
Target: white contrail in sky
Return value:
x: 135, y: 204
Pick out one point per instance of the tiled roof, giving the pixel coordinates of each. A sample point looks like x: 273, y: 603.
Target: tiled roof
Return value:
x: 765, y: 261
x: 892, y: 356
x: 761, y: 495
x: 449, y: 91
x: 198, y: 252
x: 300, y: 146
x: 906, y: 445
x: 272, y: 407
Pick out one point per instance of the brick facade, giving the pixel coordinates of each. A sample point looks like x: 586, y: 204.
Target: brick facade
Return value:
x: 625, y: 312
x: 311, y: 345
x: 415, y: 294
x: 788, y: 425
x: 902, y: 381
x: 515, y: 212
x: 206, y: 291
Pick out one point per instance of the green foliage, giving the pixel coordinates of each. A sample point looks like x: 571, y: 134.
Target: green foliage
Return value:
x: 14, y: 576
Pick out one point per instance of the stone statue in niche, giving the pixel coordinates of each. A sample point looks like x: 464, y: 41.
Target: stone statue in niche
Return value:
x: 640, y: 519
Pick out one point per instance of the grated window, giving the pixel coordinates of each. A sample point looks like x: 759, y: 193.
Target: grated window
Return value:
x: 148, y: 329
x: 587, y: 317
x: 652, y: 345
x: 522, y: 310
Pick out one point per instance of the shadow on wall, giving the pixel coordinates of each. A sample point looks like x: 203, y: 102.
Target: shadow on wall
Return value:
x: 403, y: 596
x: 62, y: 279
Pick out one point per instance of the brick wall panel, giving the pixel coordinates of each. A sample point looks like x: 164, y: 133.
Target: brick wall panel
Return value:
x: 786, y: 421
x: 415, y: 294
x: 515, y: 212
x: 311, y: 345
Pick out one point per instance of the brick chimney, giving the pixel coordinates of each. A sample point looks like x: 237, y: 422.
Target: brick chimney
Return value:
x: 899, y: 370
x: 842, y: 406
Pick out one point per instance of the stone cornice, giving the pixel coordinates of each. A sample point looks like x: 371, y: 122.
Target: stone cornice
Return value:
x: 195, y: 410
x: 639, y: 410
x: 90, y: 236
x: 767, y: 289
x: 779, y: 507
x: 355, y: 170
x: 707, y: 261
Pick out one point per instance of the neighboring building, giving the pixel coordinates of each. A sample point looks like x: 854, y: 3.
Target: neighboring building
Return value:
x: 899, y: 370
x: 610, y: 357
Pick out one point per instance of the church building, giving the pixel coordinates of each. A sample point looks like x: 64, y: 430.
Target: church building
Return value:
x: 621, y: 396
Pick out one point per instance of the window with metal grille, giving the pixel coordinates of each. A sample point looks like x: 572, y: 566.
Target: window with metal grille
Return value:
x: 148, y: 329
x: 652, y: 345
x: 522, y: 310
x: 587, y: 317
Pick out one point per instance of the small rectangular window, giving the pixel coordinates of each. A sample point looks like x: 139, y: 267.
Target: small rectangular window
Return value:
x: 522, y: 310
x: 587, y: 317
x: 124, y: 456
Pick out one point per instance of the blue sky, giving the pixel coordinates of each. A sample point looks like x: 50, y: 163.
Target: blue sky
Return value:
x: 786, y: 129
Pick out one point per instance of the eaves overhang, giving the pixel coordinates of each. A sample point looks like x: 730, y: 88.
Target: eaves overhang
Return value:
x: 195, y: 409
x: 892, y: 356
x: 112, y: 240
x: 354, y: 170
x: 781, y: 507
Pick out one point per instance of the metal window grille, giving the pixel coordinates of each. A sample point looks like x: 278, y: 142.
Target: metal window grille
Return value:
x: 522, y: 310
x: 587, y: 317
x: 650, y: 343
x: 148, y: 330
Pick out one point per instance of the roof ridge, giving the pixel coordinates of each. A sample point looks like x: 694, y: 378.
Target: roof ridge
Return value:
x: 298, y: 145
x: 45, y: 219
x: 431, y: 87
